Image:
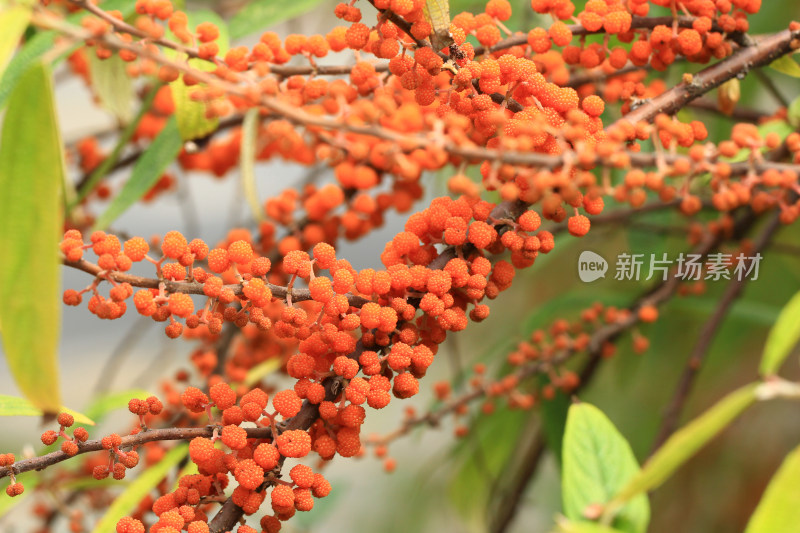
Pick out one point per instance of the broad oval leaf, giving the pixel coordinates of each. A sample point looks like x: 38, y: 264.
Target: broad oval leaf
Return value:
x: 152, y: 163
x: 782, y: 338
x: 597, y: 463
x: 126, y: 502
x: 685, y: 442
x: 31, y: 178
x: 779, y: 508
x: 15, y: 406
x: 256, y: 16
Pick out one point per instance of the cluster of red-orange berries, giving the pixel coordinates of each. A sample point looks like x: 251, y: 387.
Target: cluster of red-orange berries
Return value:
x: 354, y: 338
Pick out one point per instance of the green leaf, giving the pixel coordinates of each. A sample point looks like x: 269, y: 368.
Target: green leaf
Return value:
x: 247, y: 161
x: 782, y: 338
x: 15, y: 406
x: 150, y: 166
x: 786, y: 65
x: 108, y: 163
x: 554, y: 419
x: 111, y: 402
x: 44, y: 42
x: 30, y: 481
x: 685, y: 442
x: 31, y: 178
x: 485, y: 454
x: 597, y: 463
x: 14, y: 19
x: 192, y: 121
x: 113, y: 86
x: 779, y: 509
x: 793, y: 113
x: 261, y: 370
x: 126, y: 502
x: 258, y: 16
x: 568, y: 526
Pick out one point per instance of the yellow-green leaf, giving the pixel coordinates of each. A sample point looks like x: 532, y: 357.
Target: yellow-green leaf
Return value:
x: 261, y: 370
x: 43, y: 42
x: 14, y: 18
x: 685, y: 443
x: 116, y: 400
x: 108, y: 163
x: 782, y: 338
x: 30, y: 481
x: 15, y: 406
x: 31, y: 180
x: 126, y: 502
x: 191, y: 114
x: 257, y: 16
x: 598, y: 462
x: 779, y: 509
x: 113, y: 86
x: 568, y: 526
x: 787, y: 65
x: 437, y: 12
x: 150, y: 166
x: 247, y: 161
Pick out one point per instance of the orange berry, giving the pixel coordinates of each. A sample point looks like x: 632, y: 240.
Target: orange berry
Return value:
x: 578, y: 225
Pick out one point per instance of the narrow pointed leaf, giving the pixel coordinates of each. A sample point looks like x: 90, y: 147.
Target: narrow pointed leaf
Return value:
x: 786, y: 65
x: 779, y: 509
x: 15, y: 406
x: 782, y: 338
x: 261, y: 370
x: 569, y: 526
x: 30, y: 480
x: 248, y: 160
x: 31, y: 178
x: 597, y: 463
x: 111, y: 402
x: 108, y: 163
x: 113, y: 86
x: 43, y: 42
x: 150, y: 166
x: 127, y: 502
x: 257, y: 16
x: 13, y: 19
x: 686, y: 442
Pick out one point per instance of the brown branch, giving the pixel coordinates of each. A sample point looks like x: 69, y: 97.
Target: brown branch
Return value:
x: 151, y: 435
x: 509, y: 503
x: 765, y: 50
x: 194, y: 287
x: 768, y: 48
x: 742, y: 114
x: 637, y: 23
x: 706, y: 337
x: 230, y: 513
x: 191, y: 52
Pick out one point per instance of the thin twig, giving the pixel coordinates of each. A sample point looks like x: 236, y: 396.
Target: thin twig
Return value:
x: 704, y: 340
